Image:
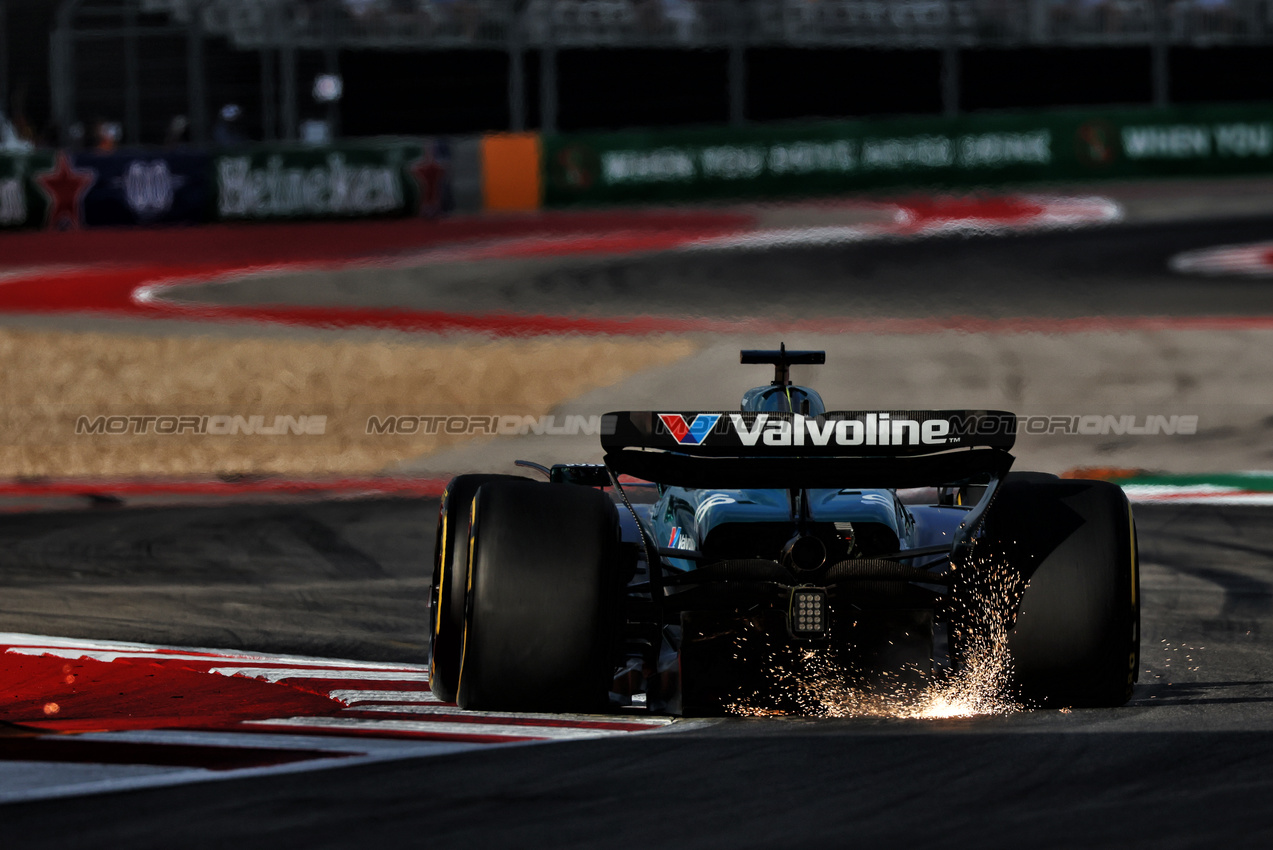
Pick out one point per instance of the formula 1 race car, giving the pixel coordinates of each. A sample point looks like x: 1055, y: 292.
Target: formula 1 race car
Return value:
x: 710, y: 546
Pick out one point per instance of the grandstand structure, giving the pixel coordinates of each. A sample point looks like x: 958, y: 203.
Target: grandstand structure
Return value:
x: 432, y: 24
x: 142, y: 59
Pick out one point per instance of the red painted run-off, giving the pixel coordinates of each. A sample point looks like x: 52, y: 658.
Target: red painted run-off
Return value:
x: 54, y: 693
x: 100, y: 272
x: 85, y: 695
x: 68, y: 686
x: 234, y: 245
x: 136, y: 273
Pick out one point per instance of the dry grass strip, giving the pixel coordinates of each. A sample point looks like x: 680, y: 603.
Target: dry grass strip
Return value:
x: 51, y: 379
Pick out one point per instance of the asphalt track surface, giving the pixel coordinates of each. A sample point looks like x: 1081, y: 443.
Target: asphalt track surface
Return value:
x: 1186, y: 764
x: 1118, y: 270
x: 331, y: 579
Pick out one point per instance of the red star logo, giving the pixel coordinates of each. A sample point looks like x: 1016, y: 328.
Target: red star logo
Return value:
x: 430, y: 177
x: 65, y: 186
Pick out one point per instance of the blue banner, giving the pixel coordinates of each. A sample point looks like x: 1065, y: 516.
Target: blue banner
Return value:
x: 168, y: 187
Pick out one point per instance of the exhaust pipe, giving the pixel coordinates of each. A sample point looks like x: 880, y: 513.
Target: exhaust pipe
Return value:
x: 804, y: 552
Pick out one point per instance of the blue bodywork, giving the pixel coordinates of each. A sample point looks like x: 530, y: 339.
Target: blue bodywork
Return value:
x: 686, y: 519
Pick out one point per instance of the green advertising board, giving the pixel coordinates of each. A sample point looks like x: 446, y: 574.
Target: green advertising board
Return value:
x: 22, y: 204
x: 340, y: 181
x: 970, y: 150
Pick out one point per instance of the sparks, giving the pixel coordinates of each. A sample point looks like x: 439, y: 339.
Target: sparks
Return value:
x: 979, y: 686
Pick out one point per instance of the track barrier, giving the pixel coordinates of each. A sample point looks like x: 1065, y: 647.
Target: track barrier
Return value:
x: 519, y: 172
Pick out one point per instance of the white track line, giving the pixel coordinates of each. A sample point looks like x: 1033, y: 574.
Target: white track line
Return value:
x: 168, y: 778
x: 600, y: 720
x: 279, y: 674
x: 1191, y: 494
x: 412, y: 697
x: 1252, y: 260
x: 53, y: 645
x: 466, y: 729
x: 1258, y: 499
x: 1056, y: 213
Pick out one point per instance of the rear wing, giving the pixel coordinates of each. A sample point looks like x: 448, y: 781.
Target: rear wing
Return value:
x: 728, y: 449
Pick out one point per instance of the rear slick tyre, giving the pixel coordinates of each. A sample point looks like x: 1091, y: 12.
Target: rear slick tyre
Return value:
x: 450, y: 581
x: 1069, y: 548
x: 543, y: 616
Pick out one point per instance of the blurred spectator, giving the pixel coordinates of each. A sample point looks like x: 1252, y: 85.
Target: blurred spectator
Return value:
x: 75, y: 135
x: 10, y: 141
x: 227, y: 130
x: 404, y: 10
x: 306, y: 11
x: 682, y: 15
x: 463, y: 15
x: 316, y: 132
x: 1111, y: 15
x: 649, y: 15
x: 1213, y: 16
x: 18, y: 115
x: 359, y: 9
x: 178, y: 132
x: 995, y: 18
x: 107, y: 135
x: 1095, y: 13
x: 23, y: 127
x: 1105, y: 16
x: 805, y: 11
x: 1063, y: 14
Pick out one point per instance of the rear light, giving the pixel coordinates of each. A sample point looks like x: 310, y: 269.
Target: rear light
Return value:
x: 807, y: 616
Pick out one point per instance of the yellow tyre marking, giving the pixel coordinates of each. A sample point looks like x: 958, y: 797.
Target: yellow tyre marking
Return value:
x: 464, y: 641
x: 442, y: 571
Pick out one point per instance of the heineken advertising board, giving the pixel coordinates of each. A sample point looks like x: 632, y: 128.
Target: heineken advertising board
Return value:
x: 344, y: 181
x: 969, y: 150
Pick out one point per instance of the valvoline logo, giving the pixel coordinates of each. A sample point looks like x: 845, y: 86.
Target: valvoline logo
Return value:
x: 691, y: 433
